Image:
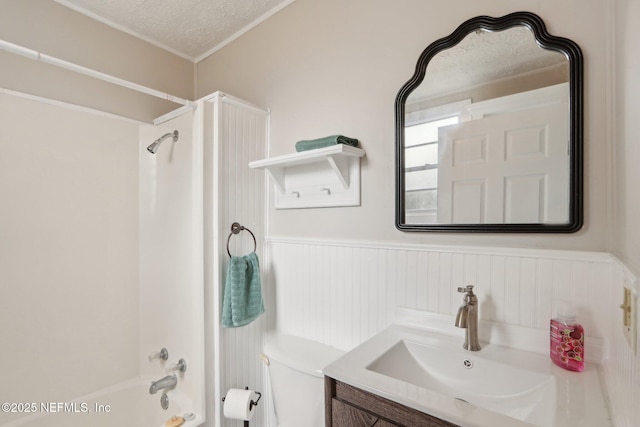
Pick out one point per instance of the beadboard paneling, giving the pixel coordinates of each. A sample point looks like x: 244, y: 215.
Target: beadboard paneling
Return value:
x: 342, y: 293
x: 239, y: 136
x: 243, y: 139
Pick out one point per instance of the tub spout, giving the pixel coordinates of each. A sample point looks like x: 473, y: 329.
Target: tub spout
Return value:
x: 167, y: 382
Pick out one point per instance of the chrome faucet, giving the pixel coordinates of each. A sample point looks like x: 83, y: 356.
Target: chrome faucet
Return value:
x: 467, y: 318
x: 167, y: 382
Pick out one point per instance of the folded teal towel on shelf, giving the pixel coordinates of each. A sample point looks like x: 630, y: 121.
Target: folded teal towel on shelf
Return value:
x: 327, y: 141
x: 242, y: 301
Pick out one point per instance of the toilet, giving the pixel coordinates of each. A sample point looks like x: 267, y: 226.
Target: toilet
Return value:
x: 297, y: 384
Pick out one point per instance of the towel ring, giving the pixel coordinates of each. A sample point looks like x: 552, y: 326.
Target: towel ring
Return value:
x: 236, y: 229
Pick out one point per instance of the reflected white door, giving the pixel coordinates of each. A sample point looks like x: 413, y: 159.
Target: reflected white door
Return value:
x: 505, y: 169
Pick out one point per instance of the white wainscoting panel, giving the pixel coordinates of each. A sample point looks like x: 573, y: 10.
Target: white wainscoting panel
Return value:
x: 341, y: 293
x: 234, y: 193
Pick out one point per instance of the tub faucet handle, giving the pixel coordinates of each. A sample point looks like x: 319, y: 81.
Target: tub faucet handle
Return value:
x: 163, y: 354
x: 181, y: 366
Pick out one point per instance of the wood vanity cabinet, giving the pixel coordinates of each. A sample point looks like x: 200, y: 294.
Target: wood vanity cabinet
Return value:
x: 348, y: 406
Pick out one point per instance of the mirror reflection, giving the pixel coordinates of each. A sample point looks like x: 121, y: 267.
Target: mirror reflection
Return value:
x: 486, y: 134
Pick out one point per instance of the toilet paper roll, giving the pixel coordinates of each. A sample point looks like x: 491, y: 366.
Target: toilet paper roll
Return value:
x: 237, y: 404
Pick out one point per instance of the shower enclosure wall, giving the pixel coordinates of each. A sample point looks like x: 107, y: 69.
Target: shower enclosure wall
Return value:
x: 68, y: 253
x: 109, y: 253
x: 171, y: 272
x: 191, y: 191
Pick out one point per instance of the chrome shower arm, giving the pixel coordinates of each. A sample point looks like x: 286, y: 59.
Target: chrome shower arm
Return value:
x: 154, y: 146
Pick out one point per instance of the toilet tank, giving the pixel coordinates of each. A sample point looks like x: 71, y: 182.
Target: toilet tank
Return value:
x: 297, y: 384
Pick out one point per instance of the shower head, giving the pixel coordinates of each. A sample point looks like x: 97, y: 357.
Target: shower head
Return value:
x: 154, y: 146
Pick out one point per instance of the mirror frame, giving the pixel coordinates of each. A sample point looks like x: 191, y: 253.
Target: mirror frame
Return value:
x: 559, y: 44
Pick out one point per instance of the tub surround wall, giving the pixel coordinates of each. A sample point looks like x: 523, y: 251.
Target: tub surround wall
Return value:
x: 68, y: 252
x: 69, y: 188
x: 171, y: 255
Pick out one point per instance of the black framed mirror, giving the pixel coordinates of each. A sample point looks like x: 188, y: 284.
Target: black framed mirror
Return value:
x: 489, y: 131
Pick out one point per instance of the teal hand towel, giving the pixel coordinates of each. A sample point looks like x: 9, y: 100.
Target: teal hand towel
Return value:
x: 327, y: 141
x: 242, y: 301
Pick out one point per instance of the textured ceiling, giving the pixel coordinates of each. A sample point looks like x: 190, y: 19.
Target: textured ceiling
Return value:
x: 483, y: 57
x: 191, y: 28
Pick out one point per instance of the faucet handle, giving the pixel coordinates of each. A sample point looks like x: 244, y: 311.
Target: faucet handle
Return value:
x: 163, y: 354
x: 181, y: 366
x: 466, y: 290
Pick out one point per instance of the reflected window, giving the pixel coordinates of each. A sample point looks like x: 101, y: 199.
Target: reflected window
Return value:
x: 421, y: 167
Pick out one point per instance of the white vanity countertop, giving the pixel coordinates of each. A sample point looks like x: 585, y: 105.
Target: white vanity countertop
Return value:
x: 579, y: 396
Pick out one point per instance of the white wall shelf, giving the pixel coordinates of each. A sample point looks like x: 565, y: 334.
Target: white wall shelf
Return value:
x: 323, y: 177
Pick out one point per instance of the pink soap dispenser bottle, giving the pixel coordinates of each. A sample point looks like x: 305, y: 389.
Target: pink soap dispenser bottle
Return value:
x: 567, y: 339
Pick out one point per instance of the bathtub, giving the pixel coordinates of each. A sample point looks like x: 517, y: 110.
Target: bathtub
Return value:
x: 125, y: 404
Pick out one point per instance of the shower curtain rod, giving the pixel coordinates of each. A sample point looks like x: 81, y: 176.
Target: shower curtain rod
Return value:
x: 37, y: 56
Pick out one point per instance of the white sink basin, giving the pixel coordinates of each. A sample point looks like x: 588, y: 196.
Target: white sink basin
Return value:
x: 428, y: 370
x: 515, y: 392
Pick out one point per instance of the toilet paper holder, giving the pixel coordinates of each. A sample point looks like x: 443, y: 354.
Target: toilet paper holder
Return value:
x: 251, y: 403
